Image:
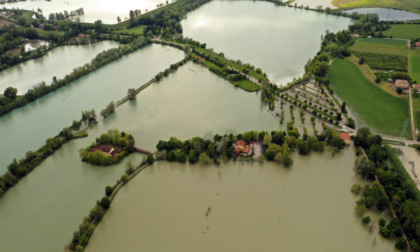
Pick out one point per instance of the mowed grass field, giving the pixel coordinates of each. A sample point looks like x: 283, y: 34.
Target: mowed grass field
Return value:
x: 373, y: 107
x: 404, y: 31
x: 381, y: 46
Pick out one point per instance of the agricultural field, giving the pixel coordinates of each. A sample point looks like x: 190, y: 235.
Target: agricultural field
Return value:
x: 404, y: 31
x: 384, y: 61
x: 408, y: 5
x: 371, y: 105
x: 415, y: 68
x: 381, y: 46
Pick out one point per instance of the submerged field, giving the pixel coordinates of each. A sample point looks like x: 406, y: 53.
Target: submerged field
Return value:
x: 408, y: 5
x: 372, y: 106
x: 240, y: 206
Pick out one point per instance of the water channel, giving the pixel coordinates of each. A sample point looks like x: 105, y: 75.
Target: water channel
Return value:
x: 240, y: 207
x: 278, y: 39
x: 58, y: 62
x: 93, y: 9
x: 27, y: 128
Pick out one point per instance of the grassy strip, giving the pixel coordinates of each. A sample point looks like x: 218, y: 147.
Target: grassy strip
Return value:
x: 248, y: 85
x: 408, y: 5
x: 400, y: 169
x: 231, y: 63
x: 90, y: 222
x: 384, y: 61
x: 19, y: 169
x: 415, y: 68
x: 138, y: 30
x: 375, y: 107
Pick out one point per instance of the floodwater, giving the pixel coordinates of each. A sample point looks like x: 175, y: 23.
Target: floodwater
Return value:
x: 105, y: 10
x: 386, y: 14
x: 240, y: 207
x: 46, y: 207
x: 35, y: 44
x: 58, y: 62
x: 28, y: 127
x: 278, y: 39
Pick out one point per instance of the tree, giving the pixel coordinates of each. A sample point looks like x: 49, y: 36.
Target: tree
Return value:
x: 267, y: 139
x: 108, y: 191
x: 343, y: 107
x: 129, y: 168
x: 118, y: 19
x: 204, y: 159
x: 382, y: 222
x: 150, y: 159
x: 105, y: 203
x: 366, y: 220
x: 98, y: 26
x: 124, y: 178
x: 401, y: 243
x: 10, y: 93
x: 132, y: 94
x: 361, y: 61
x: 366, y: 169
x: 399, y: 90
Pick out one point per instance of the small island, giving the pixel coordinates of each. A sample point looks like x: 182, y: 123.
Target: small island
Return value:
x: 110, y: 148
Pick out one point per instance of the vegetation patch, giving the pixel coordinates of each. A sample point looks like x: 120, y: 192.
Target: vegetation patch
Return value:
x: 384, y: 61
x: 137, y: 30
x: 404, y: 31
x: 110, y: 148
x: 375, y: 107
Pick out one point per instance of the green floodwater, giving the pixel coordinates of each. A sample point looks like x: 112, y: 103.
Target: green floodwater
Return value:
x: 58, y: 62
x: 278, y: 39
x: 27, y: 128
x: 48, y: 205
x: 253, y: 207
x: 107, y: 11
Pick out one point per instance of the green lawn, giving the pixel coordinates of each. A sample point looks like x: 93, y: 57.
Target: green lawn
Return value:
x: 381, y: 46
x: 374, y: 107
x: 384, y: 61
x: 248, y: 85
x: 415, y: 68
x: 138, y: 30
x: 404, y: 31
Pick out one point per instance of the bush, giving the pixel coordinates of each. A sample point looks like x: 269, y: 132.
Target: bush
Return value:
x: 384, y: 232
x: 382, y: 222
x: 124, y: 178
x: 366, y: 220
x: 401, y: 243
x: 105, y: 203
x: 150, y: 159
x: 108, y: 191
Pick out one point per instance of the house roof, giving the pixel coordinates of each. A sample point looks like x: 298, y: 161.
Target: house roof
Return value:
x: 416, y: 86
x: 418, y: 44
x: 402, y: 83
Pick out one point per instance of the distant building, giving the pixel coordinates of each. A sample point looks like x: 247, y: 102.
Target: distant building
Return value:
x: 81, y: 35
x: 355, y: 35
x: 404, y: 84
x: 417, y: 44
x: 241, y: 147
x: 416, y: 86
x: 346, y: 138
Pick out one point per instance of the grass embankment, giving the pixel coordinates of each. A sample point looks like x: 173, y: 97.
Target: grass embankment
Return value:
x: 247, y: 85
x: 415, y: 68
x: 375, y: 107
x: 408, y: 5
x: 403, y: 31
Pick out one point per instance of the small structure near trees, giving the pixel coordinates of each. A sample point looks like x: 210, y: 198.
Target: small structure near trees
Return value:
x: 241, y: 147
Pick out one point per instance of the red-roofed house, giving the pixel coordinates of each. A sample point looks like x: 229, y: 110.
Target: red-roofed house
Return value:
x: 241, y: 147
x: 346, y: 137
x: 416, y: 86
x: 404, y: 84
x: 417, y: 44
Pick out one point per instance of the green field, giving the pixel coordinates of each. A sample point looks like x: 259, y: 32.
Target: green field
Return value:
x: 404, y: 31
x: 408, y: 5
x: 373, y: 107
x: 381, y: 46
x: 138, y: 30
x: 248, y: 85
x: 384, y: 61
x: 415, y: 68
